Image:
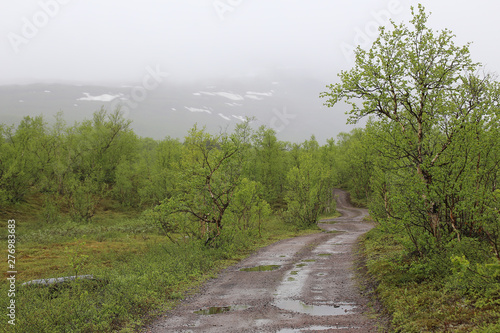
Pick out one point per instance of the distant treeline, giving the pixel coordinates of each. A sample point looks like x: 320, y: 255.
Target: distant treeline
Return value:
x: 191, y: 186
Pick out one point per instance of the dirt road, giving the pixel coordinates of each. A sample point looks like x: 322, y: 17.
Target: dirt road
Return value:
x: 311, y: 288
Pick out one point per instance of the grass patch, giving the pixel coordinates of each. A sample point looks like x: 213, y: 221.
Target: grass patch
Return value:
x: 422, y: 295
x: 264, y: 268
x: 139, y: 273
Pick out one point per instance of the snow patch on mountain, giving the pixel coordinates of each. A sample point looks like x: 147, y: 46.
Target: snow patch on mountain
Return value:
x: 198, y: 110
x: 100, y: 98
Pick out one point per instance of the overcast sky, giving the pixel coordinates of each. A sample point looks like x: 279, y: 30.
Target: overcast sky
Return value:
x: 113, y: 41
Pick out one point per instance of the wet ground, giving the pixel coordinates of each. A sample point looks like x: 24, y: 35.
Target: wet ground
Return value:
x: 304, y: 284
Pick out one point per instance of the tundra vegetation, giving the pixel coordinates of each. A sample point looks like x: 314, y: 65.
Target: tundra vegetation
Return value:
x: 149, y: 219
x: 152, y: 219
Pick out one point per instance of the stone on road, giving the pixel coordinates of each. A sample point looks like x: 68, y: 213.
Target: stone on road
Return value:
x: 308, y: 287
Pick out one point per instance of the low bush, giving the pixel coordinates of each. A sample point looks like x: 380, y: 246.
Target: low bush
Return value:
x: 449, y: 289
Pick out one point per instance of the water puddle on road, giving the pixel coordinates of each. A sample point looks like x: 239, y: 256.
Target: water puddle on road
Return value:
x: 314, y: 328
x: 221, y: 309
x: 314, y: 310
x: 261, y: 268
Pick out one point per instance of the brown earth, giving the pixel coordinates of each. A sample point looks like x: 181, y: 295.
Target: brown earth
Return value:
x: 313, y: 290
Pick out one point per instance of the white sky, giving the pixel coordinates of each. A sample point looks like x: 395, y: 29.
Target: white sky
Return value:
x: 113, y: 41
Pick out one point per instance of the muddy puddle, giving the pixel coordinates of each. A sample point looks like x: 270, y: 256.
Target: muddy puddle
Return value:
x: 314, y: 310
x: 313, y: 328
x: 221, y: 309
x: 263, y: 268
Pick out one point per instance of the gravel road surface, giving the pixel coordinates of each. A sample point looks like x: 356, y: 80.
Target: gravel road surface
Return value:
x: 310, y: 287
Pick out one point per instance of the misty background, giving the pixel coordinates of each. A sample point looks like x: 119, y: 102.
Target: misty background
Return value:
x: 170, y: 64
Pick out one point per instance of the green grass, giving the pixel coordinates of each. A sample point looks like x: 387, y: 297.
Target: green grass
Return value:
x: 422, y: 296
x: 264, y: 268
x: 139, y: 273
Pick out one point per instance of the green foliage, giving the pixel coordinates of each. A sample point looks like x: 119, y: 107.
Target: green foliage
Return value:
x: 50, y: 210
x: 83, y: 197
x: 428, y: 164
x: 269, y: 165
x: 456, y: 289
x: 207, y: 179
x: 435, y: 134
x: 149, y: 176
x: 78, y: 162
x: 248, y: 208
x: 23, y: 156
x: 355, y: 159
x: 480, y: 282
x: 308, y: 186
x: 77, y: 260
